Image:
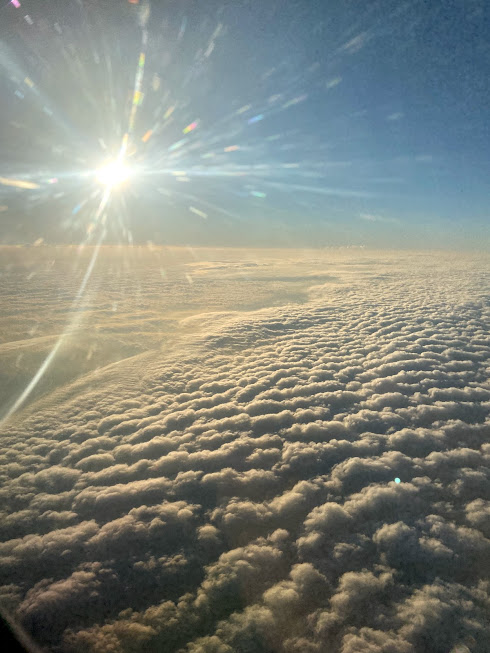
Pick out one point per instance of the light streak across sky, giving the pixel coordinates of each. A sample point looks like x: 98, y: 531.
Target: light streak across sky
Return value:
x: 249, y: 106
x: 165, y: 91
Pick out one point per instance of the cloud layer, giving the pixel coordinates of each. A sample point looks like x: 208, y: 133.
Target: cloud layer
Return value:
x: 241, y: 495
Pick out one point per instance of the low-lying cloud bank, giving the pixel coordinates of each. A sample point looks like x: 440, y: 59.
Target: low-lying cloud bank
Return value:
x: 242, y: 497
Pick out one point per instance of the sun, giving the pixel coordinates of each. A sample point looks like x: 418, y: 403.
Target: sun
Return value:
x: 112, y: 174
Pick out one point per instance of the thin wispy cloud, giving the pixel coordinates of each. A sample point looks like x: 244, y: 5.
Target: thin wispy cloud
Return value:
x: 356, y: 43
x: 332, y: 83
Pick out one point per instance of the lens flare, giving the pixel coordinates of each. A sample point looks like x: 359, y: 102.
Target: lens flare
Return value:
x: 113, y: 174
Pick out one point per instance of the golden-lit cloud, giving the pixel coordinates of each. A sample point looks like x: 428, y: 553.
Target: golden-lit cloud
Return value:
x: 304, y: 477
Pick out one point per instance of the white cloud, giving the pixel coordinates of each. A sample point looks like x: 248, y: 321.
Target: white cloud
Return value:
x: 240, y: 494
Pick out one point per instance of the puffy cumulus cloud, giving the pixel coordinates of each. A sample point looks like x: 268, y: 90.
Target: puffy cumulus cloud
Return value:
x: 48, y: 607
x: 445, y: 616
x: 302, y: 479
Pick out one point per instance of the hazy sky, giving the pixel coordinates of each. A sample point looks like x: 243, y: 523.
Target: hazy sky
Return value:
x: 307, y: 122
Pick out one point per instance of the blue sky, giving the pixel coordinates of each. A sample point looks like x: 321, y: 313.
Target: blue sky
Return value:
x: 346, y: 123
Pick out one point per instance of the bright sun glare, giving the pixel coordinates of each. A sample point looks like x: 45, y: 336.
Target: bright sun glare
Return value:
x: 112, y: 174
